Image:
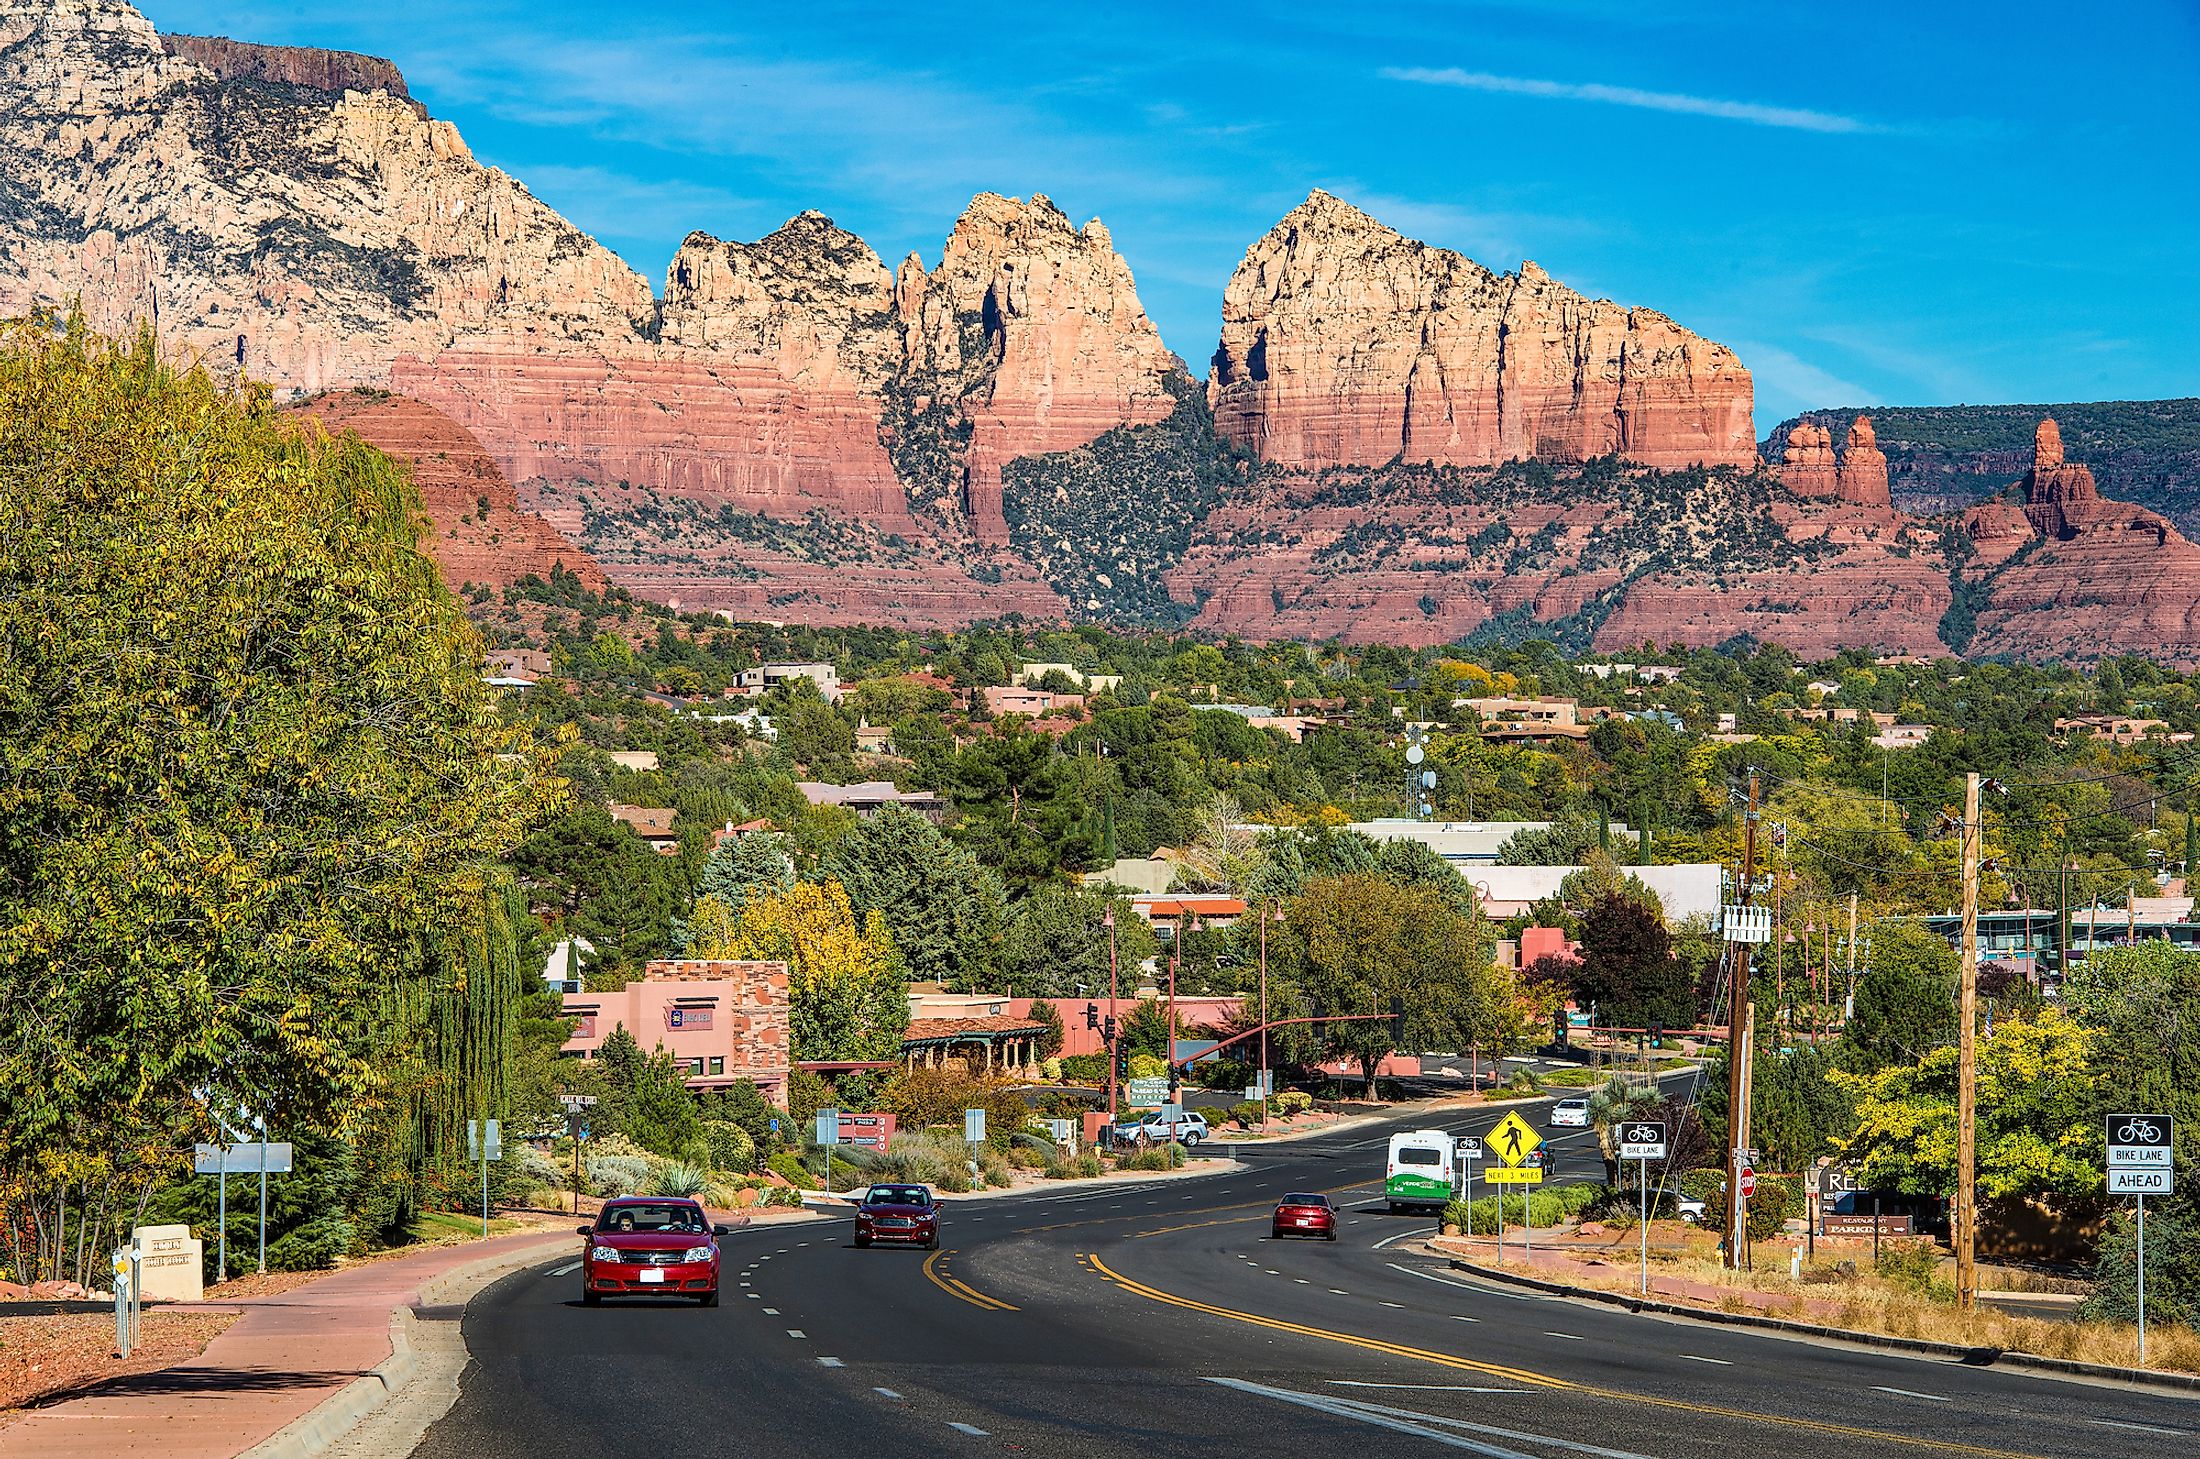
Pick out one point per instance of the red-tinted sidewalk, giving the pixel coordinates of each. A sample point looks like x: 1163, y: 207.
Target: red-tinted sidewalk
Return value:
x: 288, y: 1354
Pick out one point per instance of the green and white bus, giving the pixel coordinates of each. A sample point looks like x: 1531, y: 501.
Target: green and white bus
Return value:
x: 1423, y: 1170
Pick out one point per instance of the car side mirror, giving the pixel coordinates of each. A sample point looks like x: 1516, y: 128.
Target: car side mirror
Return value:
x: 721, y: 1230
x: 585, y: 1230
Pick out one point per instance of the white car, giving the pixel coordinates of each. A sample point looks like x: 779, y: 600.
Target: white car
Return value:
x: 1692, y: 1210
x: 1573, y: 1111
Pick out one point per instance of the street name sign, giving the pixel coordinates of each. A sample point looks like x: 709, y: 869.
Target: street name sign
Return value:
x: 241, y: 1159
x: 1514, y: 1140
x: 1642, y: 1140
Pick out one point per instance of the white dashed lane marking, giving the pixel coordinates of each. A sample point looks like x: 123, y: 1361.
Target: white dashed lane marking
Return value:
x: 971, y: 1429
x: 1906, y: 1393
x: 1693, y: 1358
x: 796, y: 1332
x: 571, y: 1266
x: 1569, y: 1336
x: 830, y: 1363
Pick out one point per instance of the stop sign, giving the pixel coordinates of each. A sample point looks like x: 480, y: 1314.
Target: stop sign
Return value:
x: 1749, y: 1182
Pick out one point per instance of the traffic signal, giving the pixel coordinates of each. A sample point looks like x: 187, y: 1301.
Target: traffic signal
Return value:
x: 1398, y: 1023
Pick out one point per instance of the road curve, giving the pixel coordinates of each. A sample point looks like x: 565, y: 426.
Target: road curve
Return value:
x: 1157, y: 1319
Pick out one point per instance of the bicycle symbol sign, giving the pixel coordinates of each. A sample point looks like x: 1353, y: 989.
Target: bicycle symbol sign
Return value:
x: 1642, y: 1140
x: 2140, y: 1142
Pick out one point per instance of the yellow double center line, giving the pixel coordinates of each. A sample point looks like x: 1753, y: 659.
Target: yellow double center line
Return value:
x: 1531, y: 1379
x: 959, y: 1290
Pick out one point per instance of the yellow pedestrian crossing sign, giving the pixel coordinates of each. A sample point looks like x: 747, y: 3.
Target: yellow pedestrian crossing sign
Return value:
x: 1514, y: 1139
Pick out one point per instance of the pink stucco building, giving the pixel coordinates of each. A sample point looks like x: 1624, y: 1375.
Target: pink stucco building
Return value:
x: 723, y: 1021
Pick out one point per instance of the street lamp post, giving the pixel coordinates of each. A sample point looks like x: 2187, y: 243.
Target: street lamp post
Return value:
x: 1278, y: 917
x: 1109, y: 919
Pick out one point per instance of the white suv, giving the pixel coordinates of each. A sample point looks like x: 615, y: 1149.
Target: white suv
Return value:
x: 1187, y: 1129
x: 1573, y: 1111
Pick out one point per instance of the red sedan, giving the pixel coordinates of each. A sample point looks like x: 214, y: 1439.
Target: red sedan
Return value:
x: 903, y: 1213
x: 1304, y: 1214
x: 651, y: 1246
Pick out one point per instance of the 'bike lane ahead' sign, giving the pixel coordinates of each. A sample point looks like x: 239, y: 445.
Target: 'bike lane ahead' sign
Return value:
x: 2140, y: 1158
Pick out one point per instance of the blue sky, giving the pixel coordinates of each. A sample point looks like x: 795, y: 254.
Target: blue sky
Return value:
x: 1873, y: 204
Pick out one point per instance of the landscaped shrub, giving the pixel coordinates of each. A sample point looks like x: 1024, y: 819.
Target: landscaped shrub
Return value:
x: 1051, y: 1069
x: 1089, y: 1069
x: 619, y: 1175
x: 1292, y: 1102
x: 731, y: 1147
x: 1247, y: 1114
x: 1160, y: 1157
x: 780, y: 1195
x: 1913, y: 1266
x: 788, y: 1167
x: 678, y: 1180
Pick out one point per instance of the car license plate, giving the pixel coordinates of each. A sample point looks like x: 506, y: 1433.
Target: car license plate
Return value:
x: 1306, y: 1220
x: 652, y: 1274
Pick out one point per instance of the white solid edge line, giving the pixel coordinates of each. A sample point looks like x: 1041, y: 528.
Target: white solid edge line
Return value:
x: 569, y: 1267
x: 2143, y: 1428
x: 1345, y: 1408
x: 1526, y: 1438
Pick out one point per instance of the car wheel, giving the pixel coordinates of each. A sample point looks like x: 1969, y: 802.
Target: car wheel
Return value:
x: 1329, y: 1236
x: 933, y: 1244
x: 862, y: 1242
x: 710, y: 1298
x: 591, y: 1299
x: 1191, y: 1139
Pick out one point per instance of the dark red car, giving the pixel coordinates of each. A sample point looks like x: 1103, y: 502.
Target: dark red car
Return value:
x: 904, y: 1213
x: 651, y: 1246
x: 1302, y: 1214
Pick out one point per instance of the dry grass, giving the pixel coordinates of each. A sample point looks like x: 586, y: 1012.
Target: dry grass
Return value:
x: 1864, y: 1303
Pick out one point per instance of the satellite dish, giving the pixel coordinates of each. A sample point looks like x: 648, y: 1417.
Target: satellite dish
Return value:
x: 1414, y: 754
x: 1424, y: 807
x: 1428, y: 779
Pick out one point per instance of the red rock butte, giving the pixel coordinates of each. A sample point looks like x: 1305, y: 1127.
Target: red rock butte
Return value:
x: 1345, y: 342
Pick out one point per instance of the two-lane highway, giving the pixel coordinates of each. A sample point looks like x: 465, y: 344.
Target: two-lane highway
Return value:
x: 1157, y: 1319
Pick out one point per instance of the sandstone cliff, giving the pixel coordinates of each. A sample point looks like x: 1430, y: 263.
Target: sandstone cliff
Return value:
x: 1344, y: 342
x: 317, y: 70
x: 1859, y: 475
x: 308, y: 238
x: 479, y: 534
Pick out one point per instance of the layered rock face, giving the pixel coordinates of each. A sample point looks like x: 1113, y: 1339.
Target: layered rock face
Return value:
x: 480, y: 535
x: 318, y: 70
x: 1858, y: 477
x: 308, y: 239
x: 1809, y: 467
x: 1344, y: 342
x: 2074, y: 575
x: 1036, y: 329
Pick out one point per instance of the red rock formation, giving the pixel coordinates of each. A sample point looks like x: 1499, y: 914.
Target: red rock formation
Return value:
x: 1035, y: 329
x: 1344, y: 342
x: 1863, y: 475
x: 331, y: 71
x: 1808, y: 467
x: 2081, y: 576
x: 480, y: 533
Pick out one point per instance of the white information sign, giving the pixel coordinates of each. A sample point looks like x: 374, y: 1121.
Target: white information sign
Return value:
x: 1642, y: 1140
x: 2139, y: 1182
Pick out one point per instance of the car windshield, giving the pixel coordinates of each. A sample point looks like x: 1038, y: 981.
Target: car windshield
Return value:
x: 897, y: 1195
x: 1305, y: 1200
x: 644, y: 1217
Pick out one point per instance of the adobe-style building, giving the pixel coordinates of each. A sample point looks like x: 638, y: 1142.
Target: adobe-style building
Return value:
x: 722, y: 1021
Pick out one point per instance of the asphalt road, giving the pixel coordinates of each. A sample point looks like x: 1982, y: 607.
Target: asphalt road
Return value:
x: 1157, y: 1320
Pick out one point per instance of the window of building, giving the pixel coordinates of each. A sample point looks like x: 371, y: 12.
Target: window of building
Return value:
x: 717, y: 1064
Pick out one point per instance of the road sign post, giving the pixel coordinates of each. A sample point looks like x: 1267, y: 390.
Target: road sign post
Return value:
x: 1643, y: 1141
x: 484, y: 1143
x: 973, y: 1137
x: 1514, y: 1141
x: 2142, y: 1162
x: 828, y: 1135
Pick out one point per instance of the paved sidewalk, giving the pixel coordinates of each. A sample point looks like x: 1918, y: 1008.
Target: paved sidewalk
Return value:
x: 288, y: 1354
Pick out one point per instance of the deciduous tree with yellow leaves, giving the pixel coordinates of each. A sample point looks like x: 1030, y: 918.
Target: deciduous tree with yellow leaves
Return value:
x: 848, y: 997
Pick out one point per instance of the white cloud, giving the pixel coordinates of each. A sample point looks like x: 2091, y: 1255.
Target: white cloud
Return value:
x: 1796, y: 118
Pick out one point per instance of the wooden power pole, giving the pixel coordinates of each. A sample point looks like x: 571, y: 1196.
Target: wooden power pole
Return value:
x: 1737, y: 1049
x: 1967, y: 1077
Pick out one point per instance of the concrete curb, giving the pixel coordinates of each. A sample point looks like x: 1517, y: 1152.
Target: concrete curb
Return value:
x: 324, y: 1427
x: 1968, y: 1356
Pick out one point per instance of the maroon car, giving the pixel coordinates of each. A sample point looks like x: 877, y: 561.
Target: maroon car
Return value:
x: 1301, y: 1214
x: 651, y: 1246
x: 904, y: 1213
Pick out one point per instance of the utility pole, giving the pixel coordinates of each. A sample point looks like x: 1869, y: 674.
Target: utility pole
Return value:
x: 1114, y: 995
x: 1967, y: 1077
x: 1848, y: 1003
x: 1737, y: 1056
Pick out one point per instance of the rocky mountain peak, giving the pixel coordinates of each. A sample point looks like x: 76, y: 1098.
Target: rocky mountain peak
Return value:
x: 1863, y: 475
x: 1345, y: 342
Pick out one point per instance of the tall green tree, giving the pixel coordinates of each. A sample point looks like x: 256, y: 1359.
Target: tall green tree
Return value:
x: 1905, y: 999
x: 1056, y: 944
x: 1627, y: 967
x: 1367, y: 941
x: 251, y: 769
x: 942, y: 907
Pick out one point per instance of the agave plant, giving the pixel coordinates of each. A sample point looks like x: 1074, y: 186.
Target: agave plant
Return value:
x: 679, y: 1180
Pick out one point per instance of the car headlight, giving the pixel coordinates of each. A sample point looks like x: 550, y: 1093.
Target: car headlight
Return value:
x: 603, y: 1253
x: 700, y: 1253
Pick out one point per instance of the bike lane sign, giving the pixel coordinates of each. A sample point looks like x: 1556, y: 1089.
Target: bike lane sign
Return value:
x: 2141, y: 1161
